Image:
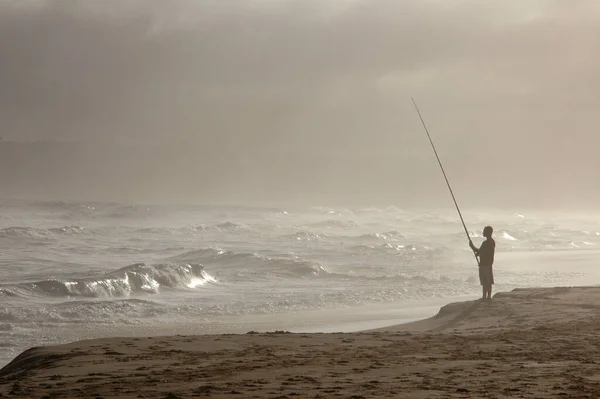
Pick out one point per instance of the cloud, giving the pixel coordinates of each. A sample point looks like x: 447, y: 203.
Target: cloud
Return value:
x: 66, y: 59
x: 329, y: 76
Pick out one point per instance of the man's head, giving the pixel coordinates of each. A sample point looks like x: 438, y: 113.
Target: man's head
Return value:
x: 487, y: 231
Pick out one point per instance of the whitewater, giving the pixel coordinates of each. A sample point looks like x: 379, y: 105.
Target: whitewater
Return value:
x: 72, y: 271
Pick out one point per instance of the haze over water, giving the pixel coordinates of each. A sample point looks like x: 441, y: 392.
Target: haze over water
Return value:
x: 303, y: 101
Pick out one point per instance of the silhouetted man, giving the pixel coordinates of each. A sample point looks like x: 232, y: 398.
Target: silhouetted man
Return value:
x: 486, y: 260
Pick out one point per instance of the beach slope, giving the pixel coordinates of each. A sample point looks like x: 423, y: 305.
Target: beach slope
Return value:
x: 541, y: 342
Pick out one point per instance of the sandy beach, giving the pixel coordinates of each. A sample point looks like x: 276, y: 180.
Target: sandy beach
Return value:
x: 538, y: 343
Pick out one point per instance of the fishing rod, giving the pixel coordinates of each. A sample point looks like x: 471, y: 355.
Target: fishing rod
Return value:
x: 444, y: 173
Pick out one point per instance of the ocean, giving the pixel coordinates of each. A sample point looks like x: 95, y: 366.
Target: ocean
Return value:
x: 71, y: 271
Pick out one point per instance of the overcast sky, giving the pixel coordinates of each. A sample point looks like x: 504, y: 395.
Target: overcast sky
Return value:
x: 509, y: 88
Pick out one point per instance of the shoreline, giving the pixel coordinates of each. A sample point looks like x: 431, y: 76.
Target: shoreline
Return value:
x: 532, y: 342
x: 350, y: 319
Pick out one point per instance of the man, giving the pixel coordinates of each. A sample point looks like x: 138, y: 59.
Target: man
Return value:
x: 486, y: 260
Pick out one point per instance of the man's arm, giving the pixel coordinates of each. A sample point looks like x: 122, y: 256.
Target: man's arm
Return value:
x: 475, y: 249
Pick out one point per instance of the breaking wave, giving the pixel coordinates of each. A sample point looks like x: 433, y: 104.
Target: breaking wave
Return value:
x: 221, y: 227
x: 253, y: 266
x: 386, y: 236
x: 111, y: 311
x: 401, y: 249
x: 33, y: 232
x: 335, y: 224
x: 23, y: 232
x: 305, y: 236
x: 134, y: 279
x: 226, y: 227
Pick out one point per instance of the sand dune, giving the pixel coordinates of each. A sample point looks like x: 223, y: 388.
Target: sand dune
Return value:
x: 539, y: 343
